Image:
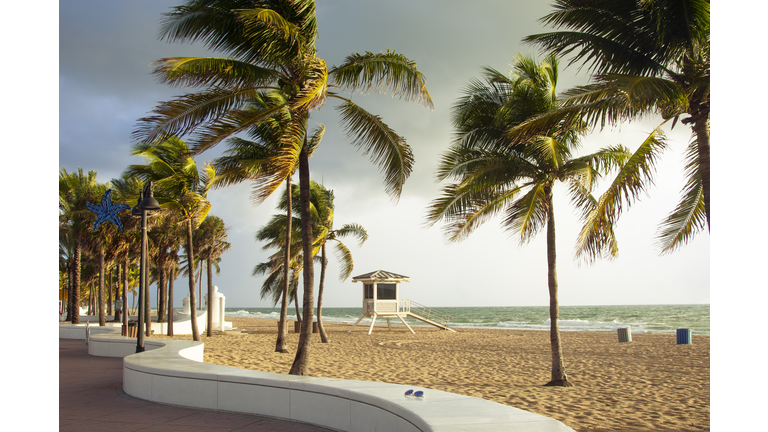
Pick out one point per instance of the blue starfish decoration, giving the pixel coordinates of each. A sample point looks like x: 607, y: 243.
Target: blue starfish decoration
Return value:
x: 107, y: 212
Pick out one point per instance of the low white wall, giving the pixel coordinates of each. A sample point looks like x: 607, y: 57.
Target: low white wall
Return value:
x: 182, y: 325
x: 172, y: 372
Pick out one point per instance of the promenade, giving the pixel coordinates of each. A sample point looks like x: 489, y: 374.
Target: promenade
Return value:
x: 91, y: 399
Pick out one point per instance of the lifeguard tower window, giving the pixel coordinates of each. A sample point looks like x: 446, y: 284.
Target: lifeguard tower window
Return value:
x: 386, y: 292
x: 369, y: 291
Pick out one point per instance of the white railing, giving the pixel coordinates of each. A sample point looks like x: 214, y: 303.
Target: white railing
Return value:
x: 423, y: 311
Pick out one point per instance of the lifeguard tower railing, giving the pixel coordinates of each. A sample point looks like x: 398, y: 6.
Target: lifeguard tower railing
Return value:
x: 406, y: 307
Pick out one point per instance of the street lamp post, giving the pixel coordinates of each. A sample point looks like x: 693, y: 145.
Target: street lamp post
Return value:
x: 146, y: 202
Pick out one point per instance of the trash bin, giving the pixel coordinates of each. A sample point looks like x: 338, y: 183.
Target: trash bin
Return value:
x: 131, y: 330
x: 684, y: 336
x: 297, y: 327
x: 625, y: 334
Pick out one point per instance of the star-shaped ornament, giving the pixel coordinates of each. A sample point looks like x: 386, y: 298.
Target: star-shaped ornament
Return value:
x: 107, y: 212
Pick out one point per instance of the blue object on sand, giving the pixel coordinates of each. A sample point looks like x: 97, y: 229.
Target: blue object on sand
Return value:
x: 684, y: 336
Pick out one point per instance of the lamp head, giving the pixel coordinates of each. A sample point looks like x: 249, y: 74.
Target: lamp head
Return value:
x: 149, y: 202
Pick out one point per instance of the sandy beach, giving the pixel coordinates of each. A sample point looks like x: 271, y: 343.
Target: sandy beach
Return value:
x: 649, y: 384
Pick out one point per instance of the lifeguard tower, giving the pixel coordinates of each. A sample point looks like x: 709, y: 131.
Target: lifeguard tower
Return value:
x: 381, y: 298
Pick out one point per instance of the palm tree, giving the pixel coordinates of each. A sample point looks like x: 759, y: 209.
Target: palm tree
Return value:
x: 271, y: 46
x: 323, y: 212
x: 264, y: 164
x: 280, y: 284
x: 517, y: 178
x: 648, y: 57
x: 75, y: 190
x: 213, y: 243
x: 179, y: 187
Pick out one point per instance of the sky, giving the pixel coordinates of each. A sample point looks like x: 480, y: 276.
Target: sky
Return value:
x: 104, y: 85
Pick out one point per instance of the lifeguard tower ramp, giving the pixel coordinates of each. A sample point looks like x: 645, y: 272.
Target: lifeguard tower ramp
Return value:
x: 381, y: 298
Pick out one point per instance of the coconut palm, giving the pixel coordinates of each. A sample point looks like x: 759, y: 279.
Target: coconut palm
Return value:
x: 494, y: 175
x: 275, y: 284
x: 212, y: 235
x: 648, y: 57
x: 179, y: 187
x: 323, y: 211
x: 271, y: 45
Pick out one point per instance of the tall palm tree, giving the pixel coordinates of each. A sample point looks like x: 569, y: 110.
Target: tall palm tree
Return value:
x: 275, y: 285
x: 495, y: 175
x: 213, y: 243
x: 648, y: 56
x: 271, y: 45
x: 322, y: 211
x: 179, y: 186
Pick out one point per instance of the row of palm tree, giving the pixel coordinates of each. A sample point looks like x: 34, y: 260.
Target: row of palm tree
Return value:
x: 119, y: 249
x: 516, y: 138
x: 271, y: 54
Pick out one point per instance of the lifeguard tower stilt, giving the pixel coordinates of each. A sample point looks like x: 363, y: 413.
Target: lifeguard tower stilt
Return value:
x: 381, y: 298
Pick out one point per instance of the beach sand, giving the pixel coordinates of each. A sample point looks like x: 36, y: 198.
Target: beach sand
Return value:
x: 649, y: 384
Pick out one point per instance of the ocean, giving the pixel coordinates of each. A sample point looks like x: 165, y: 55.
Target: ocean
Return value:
x: 651, y: 319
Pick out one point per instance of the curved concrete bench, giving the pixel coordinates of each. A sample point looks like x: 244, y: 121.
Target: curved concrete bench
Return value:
x: 172, y: 372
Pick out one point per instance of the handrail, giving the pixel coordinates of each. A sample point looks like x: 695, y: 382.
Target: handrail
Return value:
x: 426, y: 312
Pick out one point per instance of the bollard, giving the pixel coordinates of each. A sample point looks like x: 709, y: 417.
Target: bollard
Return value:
x: 625, y: 334
x: 684, y: 337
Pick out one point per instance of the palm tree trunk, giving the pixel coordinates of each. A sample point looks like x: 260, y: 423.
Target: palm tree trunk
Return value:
x: 558, y: 366
x: 161, y: 281
x: 171, y: 278
x: 210, y: 297
x: 200, y: 285
x: 296, y: 304
x: 301, y: 362
x: 76, y: 285
x: 323, y: 265
x: 147, y: 313
x: 110, y: 295
x: 282, y: 331
x: 102, y: 315
x: 191, y: 267
x: 125, y: 292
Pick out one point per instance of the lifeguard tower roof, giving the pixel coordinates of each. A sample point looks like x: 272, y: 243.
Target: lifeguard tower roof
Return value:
x: 381, y: 275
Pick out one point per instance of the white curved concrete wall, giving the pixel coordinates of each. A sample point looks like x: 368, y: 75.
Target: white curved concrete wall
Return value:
x: 172, y: 372
x: 182, y: 325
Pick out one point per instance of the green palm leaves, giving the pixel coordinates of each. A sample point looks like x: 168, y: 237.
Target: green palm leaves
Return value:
x: 495, y: 174
x: 648, y: 57
x: 271, y: 45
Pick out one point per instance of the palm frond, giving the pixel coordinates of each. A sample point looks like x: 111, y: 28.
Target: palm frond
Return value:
x: 184, y: 114
x: 212, y: 71
x: 387, y: 149
x: 635, y: 176
x: 689, y: 217
x: 344, y: 257
x: 352, y: 230
x: 528, y: 214
x: 381, y: 72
